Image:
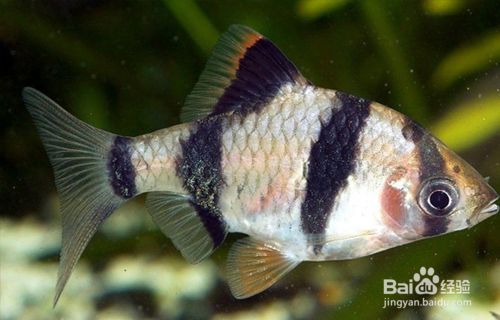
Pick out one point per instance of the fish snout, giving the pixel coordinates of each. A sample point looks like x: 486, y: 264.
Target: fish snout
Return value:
x: 486, y: 207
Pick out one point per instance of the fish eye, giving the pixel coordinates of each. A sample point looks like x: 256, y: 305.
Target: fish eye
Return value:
x: 438, y: 197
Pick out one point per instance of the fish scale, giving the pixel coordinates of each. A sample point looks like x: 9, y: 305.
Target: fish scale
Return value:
x: 271, y: 164
x: 154, y: 158
x: 308, y: 174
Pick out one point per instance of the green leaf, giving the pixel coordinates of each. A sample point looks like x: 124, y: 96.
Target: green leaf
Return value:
x: 195, y: 22
x: 313, y: 9
x: 469, y: 123
x: 467, y: 60
x: 385, y: 35
x: 443, y: 7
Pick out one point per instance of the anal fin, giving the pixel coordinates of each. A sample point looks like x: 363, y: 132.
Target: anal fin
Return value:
x: 194, y: 232
x: 253, y: 266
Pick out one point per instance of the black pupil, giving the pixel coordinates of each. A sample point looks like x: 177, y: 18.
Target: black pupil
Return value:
x: 439, y: 199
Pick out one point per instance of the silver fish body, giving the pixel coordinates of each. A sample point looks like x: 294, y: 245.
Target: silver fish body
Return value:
x: 307, y: 173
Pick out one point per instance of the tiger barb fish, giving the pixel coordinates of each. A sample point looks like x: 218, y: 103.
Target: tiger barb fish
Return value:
x: 309, y: 174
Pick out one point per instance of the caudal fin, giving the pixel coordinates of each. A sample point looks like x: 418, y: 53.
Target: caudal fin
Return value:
x: 92, y: 175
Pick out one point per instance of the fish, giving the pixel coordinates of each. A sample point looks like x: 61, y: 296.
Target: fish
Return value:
x: 305, y: 173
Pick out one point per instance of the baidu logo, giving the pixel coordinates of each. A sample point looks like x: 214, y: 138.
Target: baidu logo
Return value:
x: 426, y: 282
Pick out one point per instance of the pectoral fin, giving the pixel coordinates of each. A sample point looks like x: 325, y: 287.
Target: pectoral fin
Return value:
x: 254, y: 266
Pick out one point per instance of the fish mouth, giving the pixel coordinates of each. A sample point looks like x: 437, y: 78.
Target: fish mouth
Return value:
x: 490, y: 196
x: 488, y: 210
x: 491, y: 208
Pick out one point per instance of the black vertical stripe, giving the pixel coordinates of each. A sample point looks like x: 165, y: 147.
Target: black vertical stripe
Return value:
x: 431, y: 161
x: 201, y: 171
x: 262, y: 71
x: 432, y: 165
x: 120, y: 167
x: 332, y: 160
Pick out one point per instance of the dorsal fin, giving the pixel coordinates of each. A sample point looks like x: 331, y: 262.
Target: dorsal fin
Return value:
x: 243, y: 73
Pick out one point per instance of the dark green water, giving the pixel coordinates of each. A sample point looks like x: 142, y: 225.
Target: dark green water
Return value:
x: 126, y: 66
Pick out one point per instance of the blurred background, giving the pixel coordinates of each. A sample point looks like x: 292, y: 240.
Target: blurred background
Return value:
x: 126, y: 67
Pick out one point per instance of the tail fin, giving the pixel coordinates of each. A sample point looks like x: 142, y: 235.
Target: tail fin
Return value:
x: 82, y: 158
